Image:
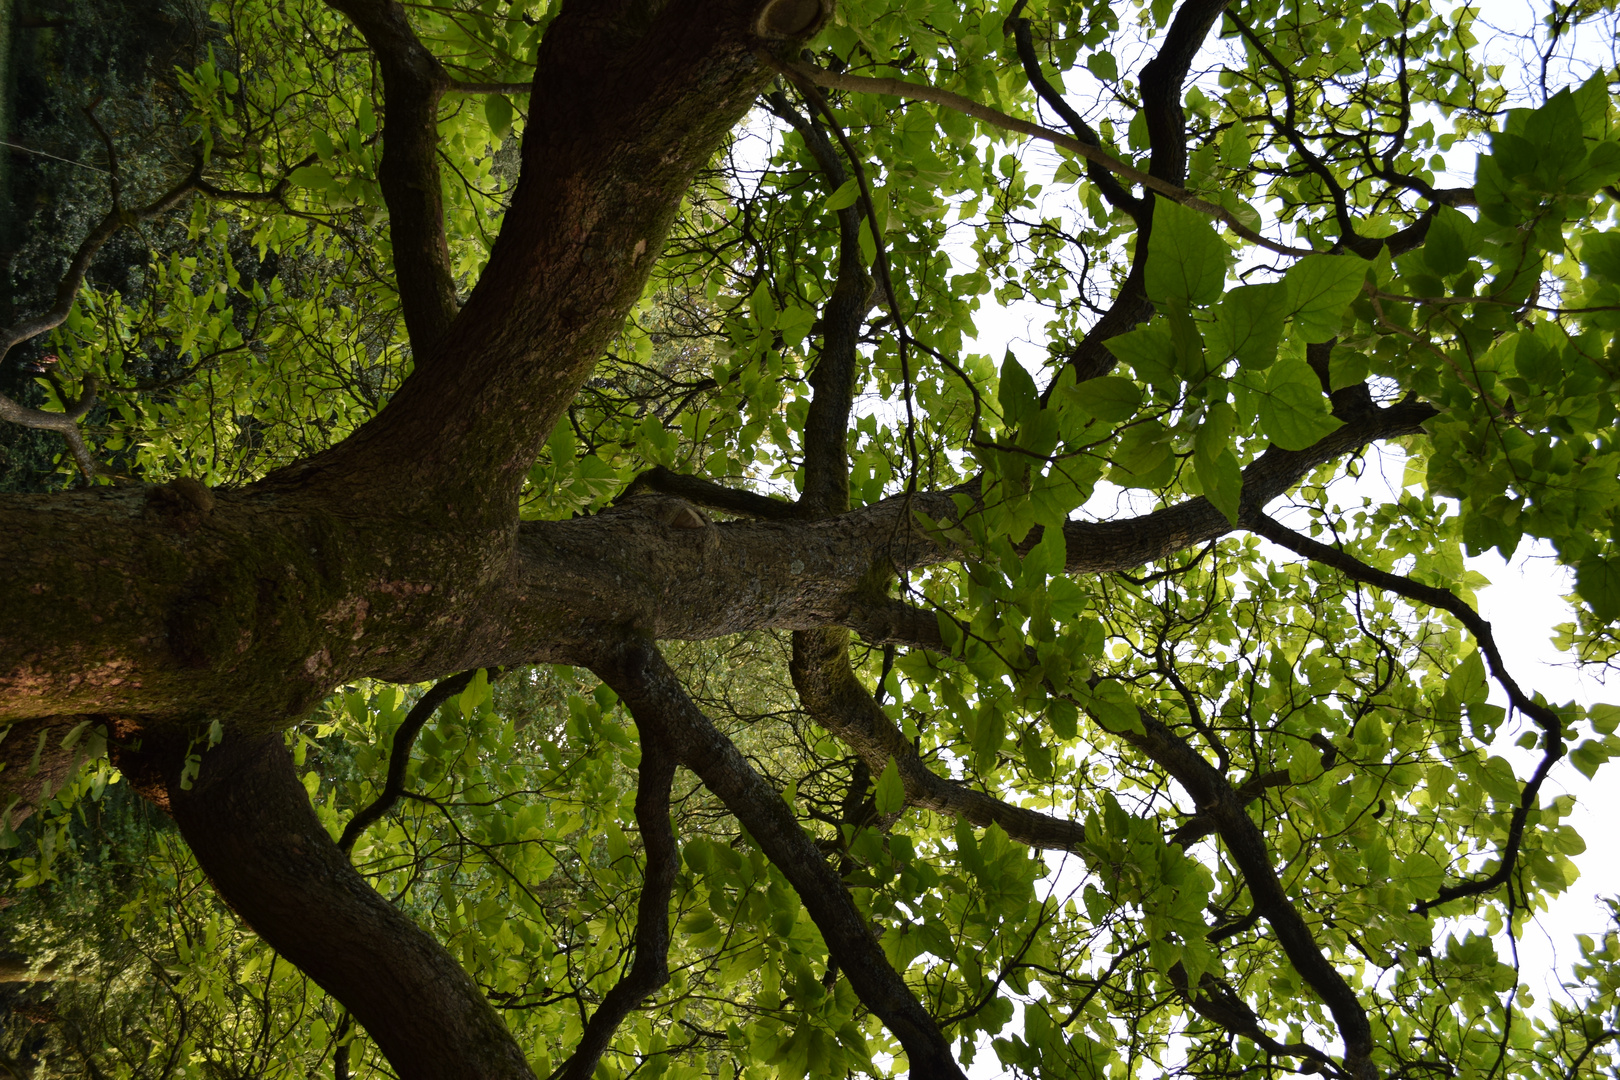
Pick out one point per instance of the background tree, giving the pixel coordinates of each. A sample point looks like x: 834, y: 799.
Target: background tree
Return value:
x: 636, y: 339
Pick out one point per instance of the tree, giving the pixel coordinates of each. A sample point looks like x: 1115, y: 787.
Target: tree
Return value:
x: 494, y: 339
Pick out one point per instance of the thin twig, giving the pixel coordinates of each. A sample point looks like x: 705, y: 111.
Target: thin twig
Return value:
x: 902, y: 88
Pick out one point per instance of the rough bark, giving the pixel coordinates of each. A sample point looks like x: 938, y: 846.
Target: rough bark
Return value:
x: 629, y: 101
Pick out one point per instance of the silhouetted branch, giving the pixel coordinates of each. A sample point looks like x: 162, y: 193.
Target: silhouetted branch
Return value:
x: 1447, y: 601
x: 400, y: 756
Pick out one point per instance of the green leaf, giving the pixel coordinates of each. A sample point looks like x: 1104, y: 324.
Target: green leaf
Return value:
x: 1555, y: 130
x: 891, y: 790
x: 1046, y: 558
x: 1249, y: 325
x: 1600, y: 251
x: 1320, y: 287
x: 1136, y: 135
x: 313, y: 177
x: 1111, y: 703
x: 1017, y: 394
x: 1347, y: 367
x: 847, y: 193
x: 1222, y: 480
x: 1186, y: 256
x: 1591, y: 101
x: 1216, y: 466
x: 1294, y: 412
x: 1235, y: 149
x: 1143, y: 457
x: 762, y: 307
x: 1467, y: 682
x: 1151, y: 354
x: 1103, y: 65
x: 1452, y: 241
x: 1597, y: 580
x: 1110, y: 398
x: 498, y: 112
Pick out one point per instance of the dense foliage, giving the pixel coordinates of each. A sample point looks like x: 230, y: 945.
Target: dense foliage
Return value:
x: 1144, y: 745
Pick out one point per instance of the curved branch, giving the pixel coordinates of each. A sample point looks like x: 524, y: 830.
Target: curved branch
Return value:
x: 400, y: 756
x: 67, y: 291
x: 837, y: 701
x: 1096, y: 546
x: 1112, y: 190
x: 706, y: 492
x: 1447, y: 601
x: 650, y: 969
x: 639, y: 675
x: 248, y: 820
x: 64, y: 424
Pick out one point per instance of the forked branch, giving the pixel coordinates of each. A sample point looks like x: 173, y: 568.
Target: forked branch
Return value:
x: 1224, y: 807
x: 832, y: 694
x: 638, y: 673
x: 991, y: 117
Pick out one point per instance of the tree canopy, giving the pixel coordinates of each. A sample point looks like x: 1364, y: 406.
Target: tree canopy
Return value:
x: 542, y: 579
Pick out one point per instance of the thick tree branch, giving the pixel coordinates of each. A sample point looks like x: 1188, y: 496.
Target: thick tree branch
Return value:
x: 1445, y: 600
x: 413, y: 82
x: 556, y: 586
x: 1161, y: 80
x: 638, y: 674
x: 650, y: 969
x: 248, y: 820
x: 400, y: 756
x: 628, y: 103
